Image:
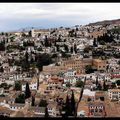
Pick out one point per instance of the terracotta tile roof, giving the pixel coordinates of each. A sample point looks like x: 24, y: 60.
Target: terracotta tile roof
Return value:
x: 99, y: 93
x: 5, y: 110
x: 112, y: 109
x: 52, y: 105
x: 29, y: 114
x: 83, y: 107
x: 36, y: 109
x: 17, y: 105
x: 19, y: 114
x: 4, y: 98
x: 114, y: 90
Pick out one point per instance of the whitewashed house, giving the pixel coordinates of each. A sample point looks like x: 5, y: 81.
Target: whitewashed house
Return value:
x: 33, y: 84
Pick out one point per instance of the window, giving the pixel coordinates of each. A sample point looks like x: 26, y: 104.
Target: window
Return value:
x: 91, y: 107
x: 100, y: 110
x: 96, y: 110
x: 50, y: 108
x: 92, y: 110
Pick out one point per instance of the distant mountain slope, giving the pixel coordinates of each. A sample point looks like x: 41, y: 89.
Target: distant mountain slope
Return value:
x: 117, y: 21
x: 29, y: 28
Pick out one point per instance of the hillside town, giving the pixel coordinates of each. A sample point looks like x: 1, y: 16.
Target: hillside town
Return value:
x: 61, y: 72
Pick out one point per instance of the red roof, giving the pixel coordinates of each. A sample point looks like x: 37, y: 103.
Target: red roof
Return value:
x: 115, y: 76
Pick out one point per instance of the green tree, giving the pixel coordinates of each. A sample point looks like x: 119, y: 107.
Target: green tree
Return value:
x: 58, y: 48
x: 73, y: 103
x: 46, y: 42
x: 113, y: 85
x: 95, y: 42
x: 79, y: 83
x: 25, y: 63
x: 2, y: 45
x: 88, y: 69
x: 4, y: 85
x: 71, y: 49
x: 38, y: 83
x: 105, y: 87
x: 26, y: 57
x: 27, y: 91
x: 119, y: 62
x: 86, y: 49
x: 43, y: 59
x: 1, y: 69
x: 2, y: 33
x: 17, y: 86
x: 46, y: 112
x: 20, y: 99
x: 33, y: 101
x: 6, y: 34
x: 66, y: 55
x: 66, y: 48
x: 75, y: 48
x: 99, y: 87
x: 68, y: 110
x: 68, y: 84
x: 97, y: 81
x: 43, y: 103
x: 54, y: 55
x: 30, y: 33
x: 118, y: 82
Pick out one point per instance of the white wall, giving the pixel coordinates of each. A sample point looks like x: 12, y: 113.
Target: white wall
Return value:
x: 32, y: 86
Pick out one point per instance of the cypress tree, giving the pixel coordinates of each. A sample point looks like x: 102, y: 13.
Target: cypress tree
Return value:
x: 95, y: 42
x: 99, y: 86
x: 71, y: 49
x: 57, y: 47
x: 75, y: 48
x: 66, y: 48
x: 73, y: 103
x: 25, y: 63
x: 105, y: 87
x: 37, y: 83
x: 97, y: 81
x: 46, y: 42
x: 26, y: 57
x: 33, y: 101
x: 43, y: 103
x: 30, y: 33
x: 27, y: 91
x: 67, y: 105
x: 46, y: 112
x: 1, y: 69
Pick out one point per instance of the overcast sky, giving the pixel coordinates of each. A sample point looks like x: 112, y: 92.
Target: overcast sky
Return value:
x: 14, y: 16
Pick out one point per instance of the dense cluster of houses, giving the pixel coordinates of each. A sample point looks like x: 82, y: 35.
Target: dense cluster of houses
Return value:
x: 55, y: 82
